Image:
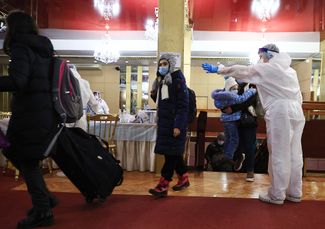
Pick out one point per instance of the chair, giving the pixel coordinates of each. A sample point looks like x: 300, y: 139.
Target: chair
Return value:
x: 5, y: 114
x: 200, y: 140
x: 104, y: 126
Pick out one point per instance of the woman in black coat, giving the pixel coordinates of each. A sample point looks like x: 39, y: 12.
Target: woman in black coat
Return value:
x: 171, y: 96
x: 33, y: 122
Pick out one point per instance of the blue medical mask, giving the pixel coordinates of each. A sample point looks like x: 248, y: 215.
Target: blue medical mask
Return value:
x: 163, y: 70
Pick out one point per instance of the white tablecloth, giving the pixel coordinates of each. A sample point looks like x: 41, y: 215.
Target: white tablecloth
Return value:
x: 135, y: 145
x: 136, y: 132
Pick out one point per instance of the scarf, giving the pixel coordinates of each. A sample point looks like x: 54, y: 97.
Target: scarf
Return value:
x: 167, y: 80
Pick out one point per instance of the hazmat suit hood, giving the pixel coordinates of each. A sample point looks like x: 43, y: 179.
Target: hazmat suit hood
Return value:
x: 281, y: 59
x: 272, y: 53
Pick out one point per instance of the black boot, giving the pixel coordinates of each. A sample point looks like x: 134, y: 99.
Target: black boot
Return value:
x: 161, y: 189
x: 183, y: 182
x: 53, y: 203
x: 37, y: 219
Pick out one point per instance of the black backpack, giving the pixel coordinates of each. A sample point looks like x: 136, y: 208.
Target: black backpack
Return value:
x: 66, y: 97
x: 192, y: 111
x: 66, y: 93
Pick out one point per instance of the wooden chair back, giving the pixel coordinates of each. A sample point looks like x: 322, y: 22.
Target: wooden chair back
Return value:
x: 5, y: 114
x: 104, y: 126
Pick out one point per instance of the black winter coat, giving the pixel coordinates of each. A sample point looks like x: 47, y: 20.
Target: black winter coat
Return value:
x: 33, y: 122
x: 172, y: 113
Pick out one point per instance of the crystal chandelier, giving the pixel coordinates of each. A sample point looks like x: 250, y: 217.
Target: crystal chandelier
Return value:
x: 151, y: 26
x: 107, y: 8
x: 106, y: 52
x: 265, y: 9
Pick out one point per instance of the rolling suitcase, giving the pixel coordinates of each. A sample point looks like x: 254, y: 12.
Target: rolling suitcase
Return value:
x: 89, y: 166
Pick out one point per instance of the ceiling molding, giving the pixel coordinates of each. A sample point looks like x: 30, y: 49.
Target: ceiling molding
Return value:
x: 205, y: 44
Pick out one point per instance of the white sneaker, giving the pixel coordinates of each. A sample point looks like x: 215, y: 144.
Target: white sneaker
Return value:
x: 239, y: 162
x: 250, y: 177
x: 265, y: 198
x: 60, y: 174
x: 293, y: 199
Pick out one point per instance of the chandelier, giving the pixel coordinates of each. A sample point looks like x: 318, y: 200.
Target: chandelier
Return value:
x: 106, y: 52
x: 107, y: 8
x: 265, y: 9
x: 151, y: 26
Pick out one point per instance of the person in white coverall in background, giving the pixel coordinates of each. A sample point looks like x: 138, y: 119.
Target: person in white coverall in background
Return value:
x: 280, y: 95
x: 103, y: 108
x: 87, y: 96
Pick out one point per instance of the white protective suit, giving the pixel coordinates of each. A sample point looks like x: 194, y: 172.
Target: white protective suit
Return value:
x: 103, y: 108
x: 279, y: 91
x: 88, y: 99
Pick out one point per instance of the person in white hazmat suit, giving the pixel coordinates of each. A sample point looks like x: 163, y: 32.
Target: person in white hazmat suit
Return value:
x: 87, y: 96
x: 103, y: 108
x: 280, y: 95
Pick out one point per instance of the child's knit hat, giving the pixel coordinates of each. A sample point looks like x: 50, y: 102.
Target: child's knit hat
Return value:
x: 229, y: 83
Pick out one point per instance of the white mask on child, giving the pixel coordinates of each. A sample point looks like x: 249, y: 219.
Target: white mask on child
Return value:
x: 220, y: 143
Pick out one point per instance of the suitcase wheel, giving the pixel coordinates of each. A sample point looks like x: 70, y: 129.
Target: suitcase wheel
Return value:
x: 120, y: 181
x: 89, y: 199
x: 101, y: 199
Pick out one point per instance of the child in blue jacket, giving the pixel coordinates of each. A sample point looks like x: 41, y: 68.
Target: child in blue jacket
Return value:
x: 225, y: 98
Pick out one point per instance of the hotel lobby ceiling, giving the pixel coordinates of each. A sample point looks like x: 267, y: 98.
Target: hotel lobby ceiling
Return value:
x: 209, y: 17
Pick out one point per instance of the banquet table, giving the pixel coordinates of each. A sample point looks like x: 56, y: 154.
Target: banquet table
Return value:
x: 135, y: 145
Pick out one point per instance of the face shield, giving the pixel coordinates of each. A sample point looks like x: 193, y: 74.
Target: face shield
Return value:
x: 265, y: 56
x: 267, y: 52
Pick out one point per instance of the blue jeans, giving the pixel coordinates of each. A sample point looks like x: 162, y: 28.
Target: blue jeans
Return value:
x: 231, y: 139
